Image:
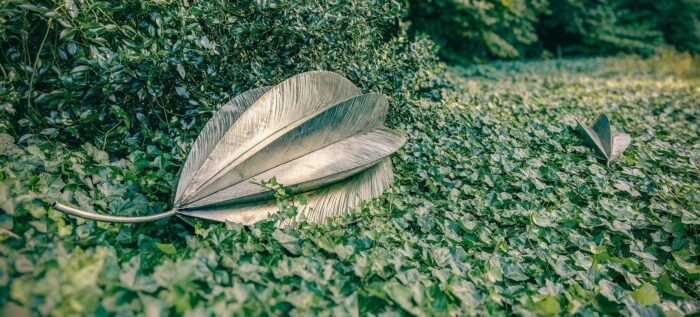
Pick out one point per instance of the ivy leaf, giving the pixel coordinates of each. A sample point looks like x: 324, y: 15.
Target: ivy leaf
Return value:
x: 180, y: 70
x: 166, y: 248
x: 548, y: 305
x: 646, y: 295
x: 289, y: 242
x: 665, y: 285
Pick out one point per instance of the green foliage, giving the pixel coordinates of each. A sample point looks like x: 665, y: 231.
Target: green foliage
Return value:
x: 478, y: 29
x: 468, y: 30
x: 497, y: 207
x: 680, y: 22
x: 601, y: 27
x: 646, y: 295
x: 121, y: 74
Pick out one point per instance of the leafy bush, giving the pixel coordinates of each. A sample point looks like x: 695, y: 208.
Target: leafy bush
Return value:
x: 141, y: 71
x: 678, y: 20
x: 594, y: 27
x: 525, y: 28
x: 478, y: 29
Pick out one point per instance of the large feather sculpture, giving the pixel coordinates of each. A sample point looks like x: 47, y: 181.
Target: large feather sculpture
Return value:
x: 607, y: 143
x: 315, y: 133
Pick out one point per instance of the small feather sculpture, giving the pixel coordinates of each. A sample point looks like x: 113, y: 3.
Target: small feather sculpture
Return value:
x: 314, y: 132
x: 606, y: 142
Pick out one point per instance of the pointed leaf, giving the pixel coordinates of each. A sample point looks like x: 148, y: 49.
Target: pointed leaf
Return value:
x: 646, y: 295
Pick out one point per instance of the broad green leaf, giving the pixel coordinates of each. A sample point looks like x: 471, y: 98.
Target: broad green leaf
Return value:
x: 665, y: 285
x: 166, y: 248
x: 548, y: 305
x: 646, y: 295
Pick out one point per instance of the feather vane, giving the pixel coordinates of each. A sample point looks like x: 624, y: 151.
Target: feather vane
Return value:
x: 607, y: 143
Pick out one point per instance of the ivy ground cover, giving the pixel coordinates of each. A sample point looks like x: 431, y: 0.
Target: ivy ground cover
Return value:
x: 497, y: 209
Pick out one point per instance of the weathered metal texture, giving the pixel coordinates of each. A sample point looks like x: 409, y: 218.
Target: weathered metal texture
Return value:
x: 606, y: 142
x: 315, y: 133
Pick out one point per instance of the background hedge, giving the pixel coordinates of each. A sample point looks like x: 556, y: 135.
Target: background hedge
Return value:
x: 488, y: 29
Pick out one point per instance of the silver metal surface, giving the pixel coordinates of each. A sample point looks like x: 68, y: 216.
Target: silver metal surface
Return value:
x: 607, y: 143
x: 327, y: 201
x: 274, y: 114
x: 319, y: 168
x: 314, y: 133
x: 213, y: 132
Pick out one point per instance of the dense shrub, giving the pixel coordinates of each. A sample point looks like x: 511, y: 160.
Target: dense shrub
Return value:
x: 124, y: 74
x: 469, y: 30
x: 595, y: 27
x: 679, y: 20
x: 478, y: 29
x: 602, y: 27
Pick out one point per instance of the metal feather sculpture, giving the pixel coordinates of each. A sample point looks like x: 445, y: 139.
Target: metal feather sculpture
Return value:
x: 605, y: 141
x: 314, y: 132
